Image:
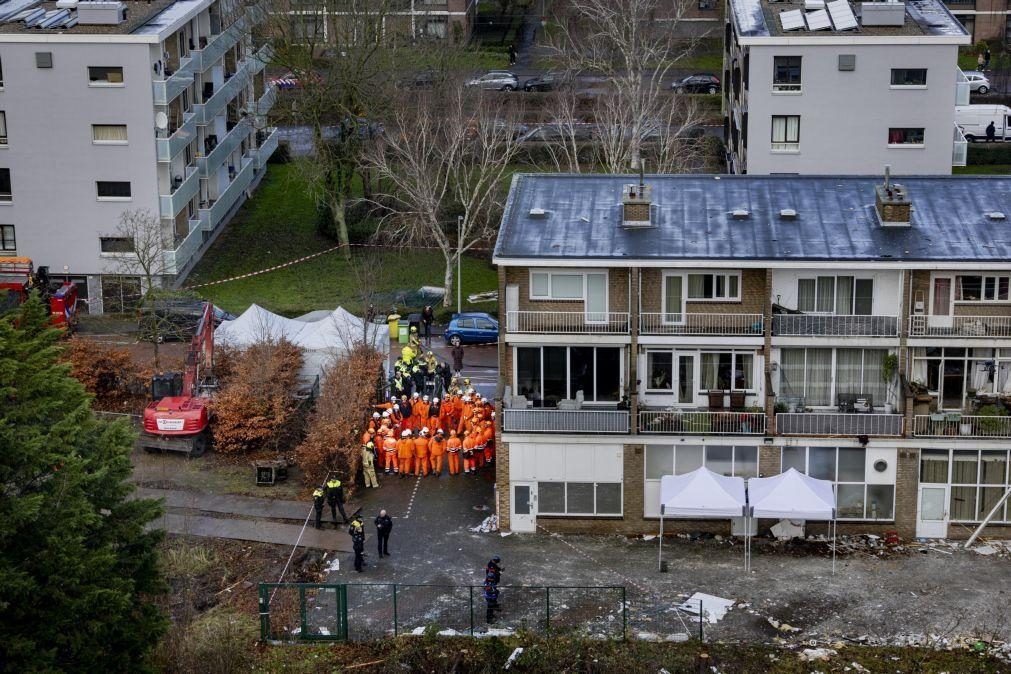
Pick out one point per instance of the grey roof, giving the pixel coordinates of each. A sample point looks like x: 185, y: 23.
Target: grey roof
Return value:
x: 836, y: 219
x: 757, y: 18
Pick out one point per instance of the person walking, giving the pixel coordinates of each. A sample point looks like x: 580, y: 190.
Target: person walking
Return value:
x: 457, y: 354
x: 986, y: 58
x: 384, y: 525
x: 392, y: 463
x: 357, y: 532
x: 494, y: 569
x: 991, y: 132
x: 335, y: 497
x: 491, y: 599
x: 980, y: 61
x: 427, y: 318
x: 318, y: 495
x: 512, y: 55
x: 369, y: 465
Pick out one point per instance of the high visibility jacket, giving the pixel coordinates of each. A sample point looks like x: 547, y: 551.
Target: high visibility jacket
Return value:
x: 368, y: 460
x: 446, y: 415
x: 389, y: 444
x: 384, y: 406
x: 421, y: 446
x: 453, y: 445
x: 437, y: 446
x: 489, y: 434
x: 421, y: 409
x: 405, y: 448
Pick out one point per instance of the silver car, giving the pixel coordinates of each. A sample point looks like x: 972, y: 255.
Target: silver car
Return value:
x: 496, y: 80
x: 978, y: 82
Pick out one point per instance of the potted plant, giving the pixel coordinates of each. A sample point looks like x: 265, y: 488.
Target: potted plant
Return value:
x: 781, y: 407
x: 992, y: 420
x: 964, y: 425
x: 889, y: 367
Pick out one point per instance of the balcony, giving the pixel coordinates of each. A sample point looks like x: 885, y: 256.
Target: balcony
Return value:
x: 567, y: 322
x: 959, y: 148
x: 267, y: 148
x: 701, y: 324
x: 921, y: 325
x: 961, y: 91
x: 176, y: 260
x: 685, y: 422
x: 260, y: 59
x: 166, y: 90
x: 959, y: 425
x: 209, y: 164
x: 213, y: 106
x: 265, y: 102
x: 838, y: 423
x: 213, y: 216
x: 207, y: 56
x: 823, y: 325
x: 564, y: 421
x: 182, y: 194
x: 170, y: 146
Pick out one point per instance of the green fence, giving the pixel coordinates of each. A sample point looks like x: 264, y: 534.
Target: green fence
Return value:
x: 332, y: 612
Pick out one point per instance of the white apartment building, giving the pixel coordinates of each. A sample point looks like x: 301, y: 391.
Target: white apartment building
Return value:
x: 816, y: 88
x: 114, y: 106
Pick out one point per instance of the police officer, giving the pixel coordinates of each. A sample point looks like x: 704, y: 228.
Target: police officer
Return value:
x: 494, y: 569
x: 357, y: 531
x: 317, y: 503
x: 384, y: 525
x: 335, y: 497
x: 491, y: 598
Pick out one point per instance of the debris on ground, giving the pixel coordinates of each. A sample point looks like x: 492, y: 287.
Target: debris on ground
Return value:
x: 713, y: 608
x: 518, y: 651
x: 788, y: 529
x: 817, y: 654
x: 487, y: 526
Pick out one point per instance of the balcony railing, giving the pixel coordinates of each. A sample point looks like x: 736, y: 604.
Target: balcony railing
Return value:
x: 565, y: 421
x: 921, y: 325
x: 267, y: 148
x: 961, y: 90
x: 171, y: 204
x: 700, y: 324
x: 216, y: 48
x: 834, y: 423
x: 209, y: 164
x: 260, y: 59
x: 567, y: 322
x: 213, y: 106
x: 701, y: 423
x: 265, y: 102
x: 172, y: 145
x: 176, y: 260
x: 816, y: 325
x: 959, y: 148
x: 166, y: 90
x: 219, y: 209
x: 966, y: 426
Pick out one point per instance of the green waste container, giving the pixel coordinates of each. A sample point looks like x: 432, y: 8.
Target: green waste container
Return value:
x: 394, y: 321
x: 404, y: 327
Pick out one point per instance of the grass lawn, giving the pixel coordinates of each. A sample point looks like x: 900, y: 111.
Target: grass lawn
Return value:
x: 703, y: 63
x: 279, y: 224
x: 982, y: 169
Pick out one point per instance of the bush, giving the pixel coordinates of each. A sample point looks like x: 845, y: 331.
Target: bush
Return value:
x: 282, y: 155
x: 109, y: 374
x: 992, y: 422
x: 989, y: 153
x: 220, y: 641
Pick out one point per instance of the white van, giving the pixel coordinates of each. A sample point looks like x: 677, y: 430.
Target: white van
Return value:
x: 973, y: 120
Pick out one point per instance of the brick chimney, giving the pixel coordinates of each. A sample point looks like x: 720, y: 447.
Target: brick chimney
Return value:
x: 891, y: 200
x: 636, y: 205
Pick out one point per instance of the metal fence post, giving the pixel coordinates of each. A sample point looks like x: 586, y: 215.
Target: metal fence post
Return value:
x: 701, y: 614
x: 624, y: 613
x: 342, y: 616
x: 547, y: 609
x: 301, y: 611
x: 264, y: 613
x: 471, y: 610
x: 395, y: 626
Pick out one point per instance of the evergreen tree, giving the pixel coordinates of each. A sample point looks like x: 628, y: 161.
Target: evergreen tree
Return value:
x: 77, y: 568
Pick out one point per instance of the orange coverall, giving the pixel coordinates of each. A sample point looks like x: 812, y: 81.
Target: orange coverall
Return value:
x: 390, y: 454
x: 433, y: 425
x: 421, y: 455
x: 437, y: 447
x: 405, y: 453
x: 453, y: 448
x: 468, y: 453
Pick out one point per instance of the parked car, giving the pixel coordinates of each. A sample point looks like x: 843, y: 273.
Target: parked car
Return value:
x: 472, y: 328
x: 546, y: 82
x: 978, y: 82
x: 423, y: 79
x: 496, y: 80
x: 699, y: 83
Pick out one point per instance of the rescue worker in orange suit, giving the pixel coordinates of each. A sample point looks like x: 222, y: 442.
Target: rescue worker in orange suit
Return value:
x: 398, y: 419
x: 446, y: 408
x: 466, y: 410
x: 405, y: 453
x: 410, y: 411
x: 453, y: 446
x: 391, y: 463
x: 433, y: 416
x: 421, y: 453
x: 421, y: 409
x: 437, y: 448
x: 477, y: 433
x: 468, y: 453
x: 489, y: 441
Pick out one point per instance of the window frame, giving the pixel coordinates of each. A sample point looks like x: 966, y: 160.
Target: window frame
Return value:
x: 7, y: 197
x: 854, y: 280
x: 714, y: 280
x: 786, y: 145
x: 8, y: 239
x: 95, y: 141
x: 589, y: 397
x: 100, y: 197
x: 978, y: 484
x: 787, y: 87
x: 984, y: 277
x: 103, y: 239
x: 801, y: 388
x: 892, y: 130
x: 906, y: 85
x: 565, y: 492
x: 106, y: 82
x: 550, y: 273
x: 836, y: 482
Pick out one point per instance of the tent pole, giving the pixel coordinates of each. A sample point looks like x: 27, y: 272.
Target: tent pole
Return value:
x: 835, y: 529
x: 659, y: 561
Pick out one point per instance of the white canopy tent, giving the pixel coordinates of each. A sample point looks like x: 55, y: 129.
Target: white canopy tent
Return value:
x: 701, y: 494
x: 793, y: 495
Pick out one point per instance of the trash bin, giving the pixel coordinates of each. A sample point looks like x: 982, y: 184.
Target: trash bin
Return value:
x: 403, y: 330
x: 394, y: 321
x: 415, y: 322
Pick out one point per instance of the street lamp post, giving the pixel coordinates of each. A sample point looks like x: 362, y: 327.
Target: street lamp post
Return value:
x: 459, y: 265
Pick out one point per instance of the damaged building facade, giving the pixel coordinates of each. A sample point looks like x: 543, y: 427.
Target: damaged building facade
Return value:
x: 857, y: 329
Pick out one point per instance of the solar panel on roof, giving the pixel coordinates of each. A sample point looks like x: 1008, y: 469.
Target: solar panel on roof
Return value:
x: 842, y: 15
x: 792, y: 20
x: 818, y: 20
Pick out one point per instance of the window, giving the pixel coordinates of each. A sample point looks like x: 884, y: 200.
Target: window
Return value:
x: 786, y: 73
x: 120, y: 294
x: 564, y: 285
x: 116, y: 244
x: 3, y: 128
x: 579, y: 498
x: 715, y: 287
x: 820, y: 375
x: 5, y: 185
x: 7, y: 242
x: 844, y: 466
x: 1, y: 74
x: 785, y: 133
x: 727, y: 370
x: 978, y: 479
x: 731, y: 461
x: 842, y: 295
x: 951, y: 373
x: 307, y: 29
x: 905, y: 136
x: 435, y: 28
x: 113, y: 189
x: 982, y: 288
x: 847, y: 62
x: 108, y: 134
x: 552, y: 373
x: 105, y: 75
x: 909, y: 77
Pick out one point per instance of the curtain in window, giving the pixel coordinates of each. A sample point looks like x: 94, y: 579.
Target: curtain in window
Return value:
x: 1003, y: 378
x: 963, y: 503
x: 844, y: 295
x: 686, y: 379
x: 805, y: 294
x: 819, y: 376
x: 993, y: 468
x: 711, y: 371
x: 848, y: 371
x: 934, y: 467
x: 672, y: 299
x: 791, y: 373
x: 873, y: 385
x: 104, y: 133
x: 963, y: 467
x: 743, y: 368
x: 919, y: 372
x: 696, y: 286
x: 826, y: 293
x: 980, y: 376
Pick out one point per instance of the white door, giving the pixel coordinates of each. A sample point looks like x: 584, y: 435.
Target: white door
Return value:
x: 932, y: 514
x: 596, y: 298
x: 512, y: 300
x: 941, y: 302
x: 523, y: 517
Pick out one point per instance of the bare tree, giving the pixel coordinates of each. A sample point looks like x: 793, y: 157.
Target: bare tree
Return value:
x: 448, y: 153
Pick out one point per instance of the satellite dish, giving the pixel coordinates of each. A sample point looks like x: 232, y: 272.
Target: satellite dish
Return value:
x: 161, y: 120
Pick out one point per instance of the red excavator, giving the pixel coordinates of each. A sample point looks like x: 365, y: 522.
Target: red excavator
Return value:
x: 177, y: 418
x: 18, y: 277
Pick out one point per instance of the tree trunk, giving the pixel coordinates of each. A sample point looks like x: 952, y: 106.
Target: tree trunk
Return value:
x: 157, y: 359
x: 338, y: 211
x: 447, y: 282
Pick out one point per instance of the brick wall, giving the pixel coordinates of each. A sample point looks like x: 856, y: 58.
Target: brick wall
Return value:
x: 753, y: 295
x: 617, y: 291
x: 921, y: 284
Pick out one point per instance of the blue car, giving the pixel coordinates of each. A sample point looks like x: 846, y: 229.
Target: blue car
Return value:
x: 472, y: 328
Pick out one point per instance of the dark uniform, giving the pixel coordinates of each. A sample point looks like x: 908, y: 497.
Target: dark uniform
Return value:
x: 357, y: 531
x: 384, y: 525
x: 335, y: 497
x: 317, y: 503
x: 493, y: 570
x: 491, y: 599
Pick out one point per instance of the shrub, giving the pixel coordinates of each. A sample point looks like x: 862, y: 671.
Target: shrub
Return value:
x: 109, y: 374
x: 220, y: 641
x: 992, y: 422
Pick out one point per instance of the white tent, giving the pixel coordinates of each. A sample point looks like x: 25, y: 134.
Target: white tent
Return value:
x: 793, y: 495
x: 701, y: 494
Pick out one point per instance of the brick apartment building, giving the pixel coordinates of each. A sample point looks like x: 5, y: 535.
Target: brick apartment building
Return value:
x: 983, y: 19
x: 857, y: 332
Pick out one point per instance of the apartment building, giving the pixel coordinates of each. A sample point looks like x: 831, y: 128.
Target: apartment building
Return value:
x: 816, y: 88
x: 983, y: 19
x: 114, y: 106
x: 855, y: 329
x: 437, y: 20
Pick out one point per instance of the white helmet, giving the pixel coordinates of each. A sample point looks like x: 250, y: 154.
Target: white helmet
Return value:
x: 415, y: 395
x: 396, y: 407
x: 470, y: 389
x: 424, y: 431
x: 466, y: 399
x: 375, y: 415
x: 435, y: 400
x: 405, y: 434
x: 386, y: 414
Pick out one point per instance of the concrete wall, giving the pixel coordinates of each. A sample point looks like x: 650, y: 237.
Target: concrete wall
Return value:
x: 887, y: 288
x: 53, y: 162
x: 854, y: 138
